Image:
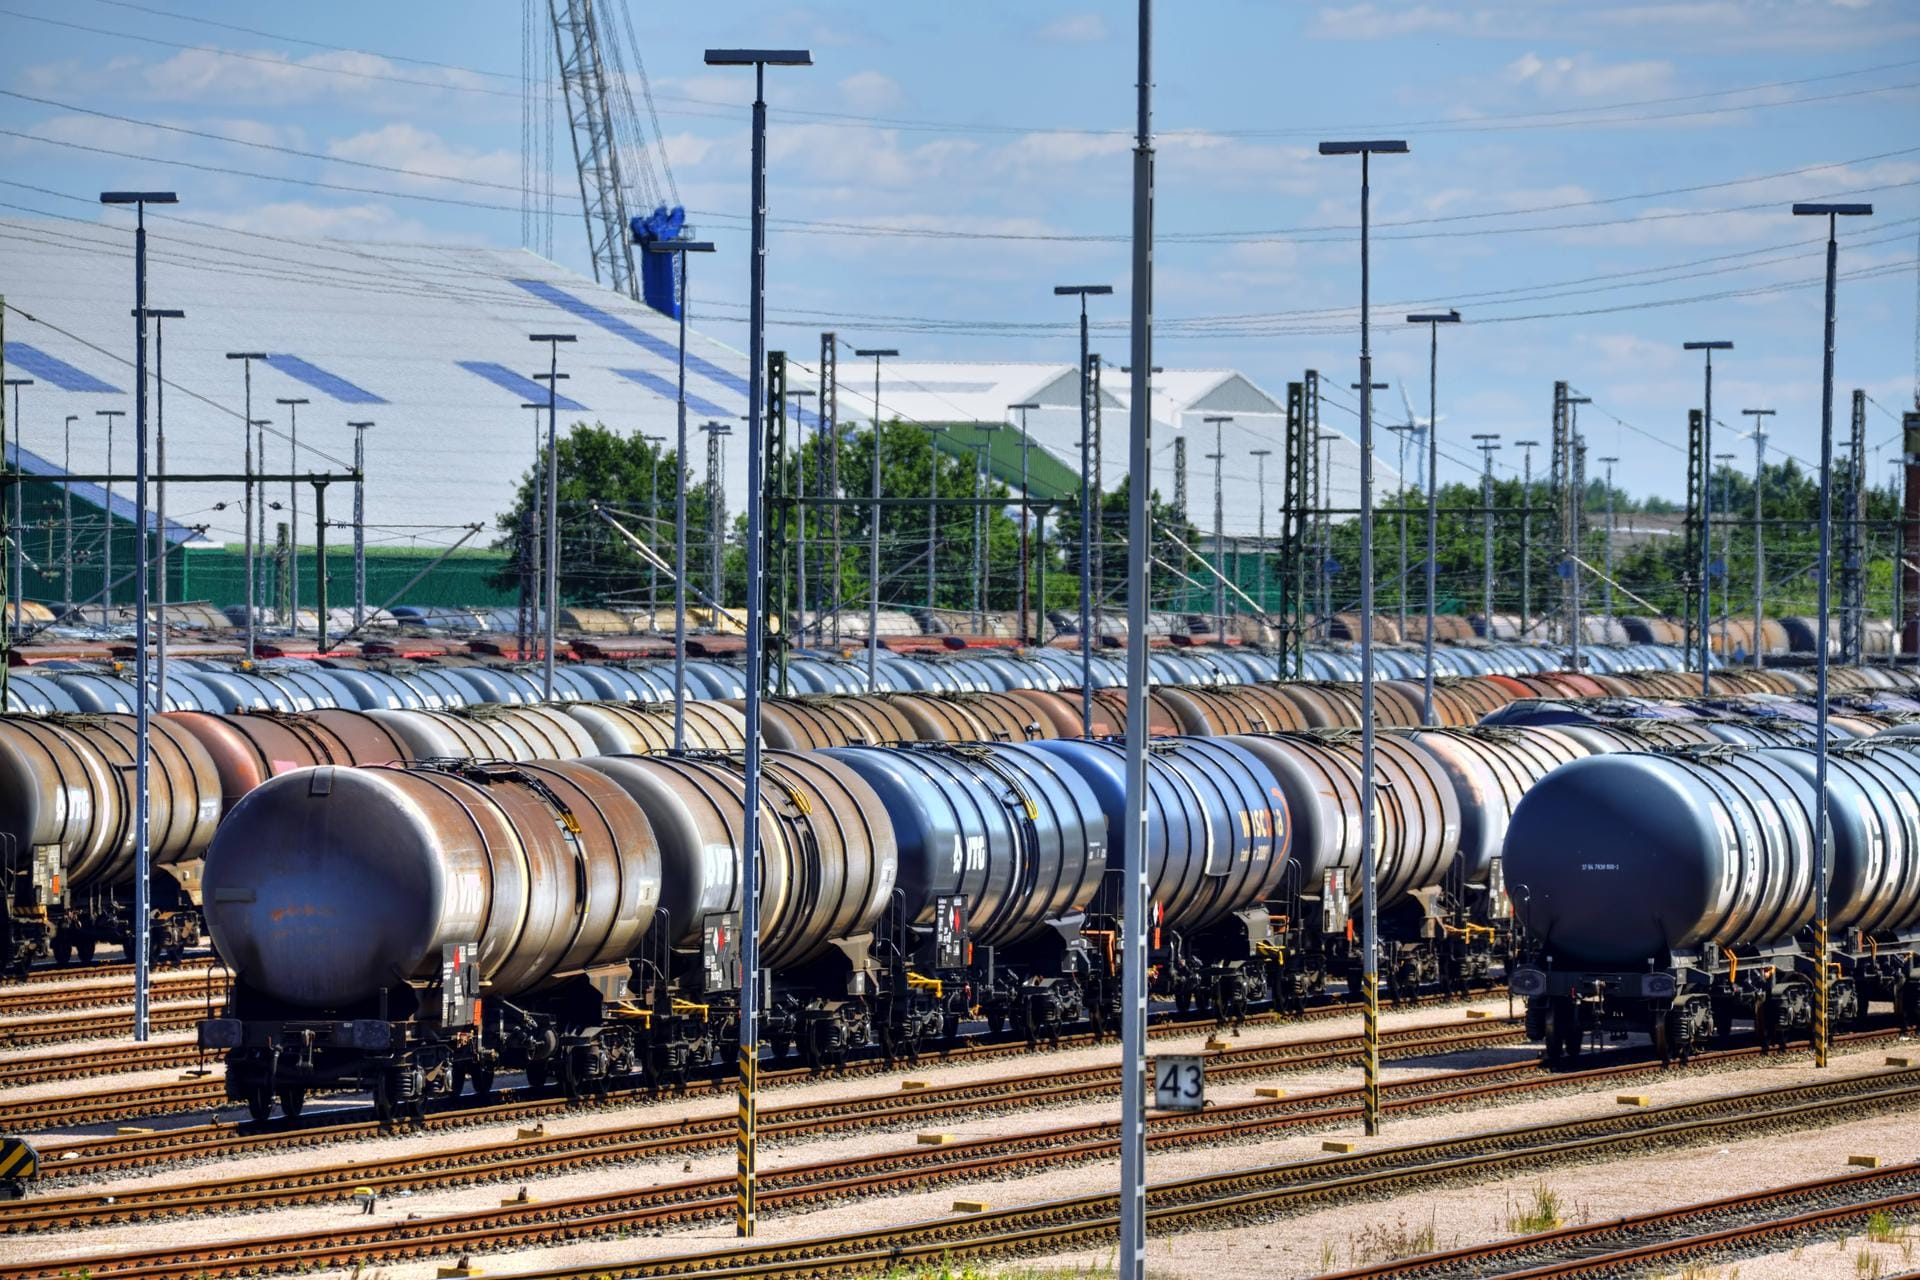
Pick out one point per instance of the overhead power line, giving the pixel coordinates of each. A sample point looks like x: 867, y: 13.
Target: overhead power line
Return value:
x: 1570, y: 116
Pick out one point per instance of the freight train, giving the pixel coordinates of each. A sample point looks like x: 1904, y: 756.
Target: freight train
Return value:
x: 408, y: 929
x: 1671, y: 893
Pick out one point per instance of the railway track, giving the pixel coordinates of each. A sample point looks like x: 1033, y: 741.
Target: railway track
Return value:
x: 629, y: 1141
x: 1711, y: 1229
x: 60, y: 1028
x: 40, y: 1068
x: 173, y: 1097
x: 72, y: 973
x: 49, y: 998
x: 200, y: 1141
x: 1050, y: 1227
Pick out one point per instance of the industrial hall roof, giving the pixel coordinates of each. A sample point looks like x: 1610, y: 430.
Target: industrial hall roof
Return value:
x: 430, y: 342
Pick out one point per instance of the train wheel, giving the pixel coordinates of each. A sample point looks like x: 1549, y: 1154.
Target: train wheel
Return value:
x: 383, y: 1102
x: 292, y: 1100
x: 1663, y: 1041
x: 62, y: 953
x: 84, y: 950
x: 483, y: 1083
x: 260, y: 1103
x: 539, y: 1075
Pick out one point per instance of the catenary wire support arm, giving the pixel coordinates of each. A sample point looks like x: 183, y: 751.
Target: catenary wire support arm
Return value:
x: 472, y: 532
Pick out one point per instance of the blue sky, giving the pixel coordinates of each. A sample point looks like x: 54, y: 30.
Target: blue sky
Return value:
x: 1593, y: 183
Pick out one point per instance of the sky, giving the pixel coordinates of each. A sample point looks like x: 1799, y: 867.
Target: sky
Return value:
x: 1591, y: 183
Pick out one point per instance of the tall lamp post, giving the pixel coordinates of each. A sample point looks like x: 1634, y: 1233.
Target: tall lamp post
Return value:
x: 1088, y: 517
x: 1760, y: 417
x: 246, y: 359
x: 142, y: 904
x: 745, y: 1141
x: 16, y: 533
x: 293, y: 509
x: 873, y: 532
x: 1369, y: 905
x: 1219, y: 456
x: 1822, y: 864
x: 1433, y: 320
x: 106, y: 539
x: 683, y: 248
x: 1133, y: 895
x: 1026, y: 517
x: 551, y: 604
x: 1705, y: 604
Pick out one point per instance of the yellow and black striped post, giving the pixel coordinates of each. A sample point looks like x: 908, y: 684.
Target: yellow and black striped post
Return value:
x: 1370, y: 1051
x: 1821, y: 987
x: 745, y: 1138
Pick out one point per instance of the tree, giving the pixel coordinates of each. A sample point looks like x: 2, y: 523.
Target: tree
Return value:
x: 633, y: 479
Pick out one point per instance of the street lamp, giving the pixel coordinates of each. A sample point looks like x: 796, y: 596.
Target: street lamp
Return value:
x: 293, y: 510
x: 1088, y: 517
x: 159, y: 316
x: 1706, y: 514
x: 246, y: 359
x: 1433, y: 320
x: 1369, y: 906
x: 683, y: 248
x: 142, y: 950
x: 1760, y: 417
x: 1822, y: 865
x: 1026, y: 515
x: 759, y: 60
x: 873, y: 533
x: 552, y: 378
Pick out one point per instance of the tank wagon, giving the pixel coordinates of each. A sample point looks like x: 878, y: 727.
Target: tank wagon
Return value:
x: 1670, y: 893
x: 577, y: 919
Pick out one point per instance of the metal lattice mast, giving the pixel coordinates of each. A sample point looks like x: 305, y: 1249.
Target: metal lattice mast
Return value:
x: 1853, y: 556
x: 596, y: 151
x: 716, y: 510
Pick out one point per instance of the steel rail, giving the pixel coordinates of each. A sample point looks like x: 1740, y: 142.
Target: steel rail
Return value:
x: 1237, y: 1197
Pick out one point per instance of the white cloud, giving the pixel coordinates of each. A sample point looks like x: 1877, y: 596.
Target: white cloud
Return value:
x: 1376, y: 22
x: 1075, y: 28
x: 1581, y: 76
x: 268, y: 77
x: 871, y: 91
x: 403, y: 146
x: 368, y: 221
